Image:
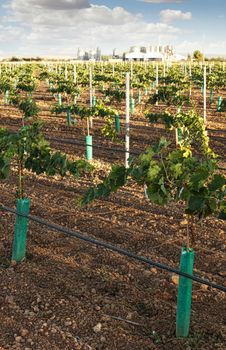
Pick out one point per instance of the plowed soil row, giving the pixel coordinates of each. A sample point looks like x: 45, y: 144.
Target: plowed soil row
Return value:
x: 72, y: 295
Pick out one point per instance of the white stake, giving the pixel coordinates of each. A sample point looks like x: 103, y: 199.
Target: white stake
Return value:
x: 204, y: 95
x: 91, y: 92
x: 127, y: 141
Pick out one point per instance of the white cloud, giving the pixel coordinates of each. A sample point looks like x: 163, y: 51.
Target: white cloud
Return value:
x: 59, y: 30
x: 168, y: 16
x: 10, y: 34
x: 210, y: 47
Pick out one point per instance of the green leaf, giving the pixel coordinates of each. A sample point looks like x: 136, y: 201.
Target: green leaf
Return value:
x: 195, y: 204
x: 217, y: 182
x: 153, y: 171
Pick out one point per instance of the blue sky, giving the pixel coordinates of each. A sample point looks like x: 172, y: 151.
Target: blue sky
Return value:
x: 59, y: 27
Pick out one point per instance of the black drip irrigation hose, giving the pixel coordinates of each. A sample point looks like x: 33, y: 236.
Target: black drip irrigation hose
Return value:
x: 114, y: 249
x: 73, y: 142
x: 70, y: 142
x: 223, y: 131
x: 218, y: 138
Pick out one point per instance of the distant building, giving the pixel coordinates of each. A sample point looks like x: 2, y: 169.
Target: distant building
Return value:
x: 116, y: 55
x: 87, y: 55
x: 98, y: 54
x: 150, y: 53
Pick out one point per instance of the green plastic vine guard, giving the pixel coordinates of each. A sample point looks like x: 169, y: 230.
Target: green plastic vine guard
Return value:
x: 184, y: 297
x: 68, y: 117
x: 179, y: 135
x: 211, y: 95
x: 145, y: 91
x: 59, y: 100
x: 89, y: 147
x: 132, y: 105
x: 30, y: 96
x: 219, y: 100
x: 6, y: 97
x: 202, y: 89
x: 94, y: 101
x: 117, y: 123
x: 20, y: 230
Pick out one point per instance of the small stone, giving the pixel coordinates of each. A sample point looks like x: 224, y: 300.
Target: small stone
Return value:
x: 97, y: 328
x: 204, y: 287
x: 10, y: 270
x: 97, y: 308
x: 106, y: 318
x: 175, y: 279
x: 102, y: 339
x: 153, y: 270
x: 129, y: 316
x: 69, y: 335
x: 9, y: 299
x: 24, y: 332
x: 67, y: 323
x: 222, y: 273
x: 147, y: 273
x: 184, y: 222
x: 222, y: 234
x: 18, y: 339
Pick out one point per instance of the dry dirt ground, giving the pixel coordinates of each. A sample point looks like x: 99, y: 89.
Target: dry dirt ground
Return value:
x: 71, y: 295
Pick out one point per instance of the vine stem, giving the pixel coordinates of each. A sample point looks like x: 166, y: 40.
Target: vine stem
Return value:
x: 165, y: 169
x: 87, y: 125
x: 20, y: 179
x: 190, y: 231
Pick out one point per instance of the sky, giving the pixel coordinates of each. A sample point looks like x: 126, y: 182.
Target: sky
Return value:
x: 59, y: 27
